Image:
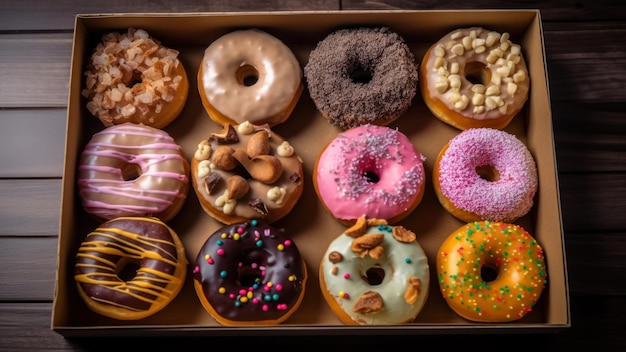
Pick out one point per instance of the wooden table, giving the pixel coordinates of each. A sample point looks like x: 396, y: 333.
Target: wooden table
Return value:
x: 585, y: 45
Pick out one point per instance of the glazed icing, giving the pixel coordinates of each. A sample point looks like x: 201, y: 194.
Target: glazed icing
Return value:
x: 238, y: 54
x: 264, y: 200
x: 346, y: 278
x: 447, y: 70
x: 511, y: 252
x: 115, y: 155
x: 385, y: 153
x: 146, y: 242
x: 250, y: 272
x: 505, y: 199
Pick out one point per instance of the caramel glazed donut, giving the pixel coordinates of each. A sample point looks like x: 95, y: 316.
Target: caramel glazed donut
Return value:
x: 362, y: 75
x: 106, y: 262
x: 473, y: 77
x: 491, y: 271
x: 375, y: 274
x: 132, y: 170
x: 249, y: 75
x: 250, y: 274
x: 246, y: 172
x: 133, y: 78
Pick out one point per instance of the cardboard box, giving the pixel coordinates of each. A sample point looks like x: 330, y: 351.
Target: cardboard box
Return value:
x: 309, y: 224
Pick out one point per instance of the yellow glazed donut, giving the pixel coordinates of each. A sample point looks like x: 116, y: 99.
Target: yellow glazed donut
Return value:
x: 491, y: 271
x: 249, y: 75
x: 474, y: 77
x: 131, y: 77
x: 375, y: 274
x: 130, y: 267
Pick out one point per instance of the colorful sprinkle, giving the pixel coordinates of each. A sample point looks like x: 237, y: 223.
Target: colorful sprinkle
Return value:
x: 221, y: 290
x: 223, y: 273
x: 220, y: 252
x: 346, y: 275
x: 280, y: 247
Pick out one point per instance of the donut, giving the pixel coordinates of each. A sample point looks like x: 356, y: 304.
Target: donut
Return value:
x: 375, y: 274
x: 485, y: 174
x: 491, y: 271
x: 246, y: 172
x: 250, y: 273
x: 474, y: 77
x: 130, y: 267
x: 132, y: 77
x: 369, y: 170
x: 249, y: 75
x: 361, y: 75
x: 132, y: 170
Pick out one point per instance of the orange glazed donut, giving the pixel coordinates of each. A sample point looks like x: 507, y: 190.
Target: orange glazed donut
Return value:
x: 130, y: 267
x: 250, y: 273
x: 131, y: 77
x: 485, y: 174
x: 474, y: 77
x: 249, y: 75
x: 246, y: 172
x: 132, y: 170
x: 491, y: 271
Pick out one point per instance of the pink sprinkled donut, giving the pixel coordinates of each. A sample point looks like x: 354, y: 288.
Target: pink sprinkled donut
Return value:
x: 485, y: 174
x: 370, y: 170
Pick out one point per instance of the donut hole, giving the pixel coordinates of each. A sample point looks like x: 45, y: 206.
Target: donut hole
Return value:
x: 360, y: 74
x: 477, y: 73
x: 371, y: 176
x: 488, y: 173
x: 248, y: 276
x: 374, y: 276
x: 247, y: 75
x: 488, y: 273
x: 127, y: 269
x: 130, y: 172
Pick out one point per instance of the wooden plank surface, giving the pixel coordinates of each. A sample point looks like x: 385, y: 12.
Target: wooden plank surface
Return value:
x: 585, y: 44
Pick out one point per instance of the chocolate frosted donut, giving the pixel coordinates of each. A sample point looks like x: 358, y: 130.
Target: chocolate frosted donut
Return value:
x: 362, y: 75
x: 249, y: 274
x: 130, y: 267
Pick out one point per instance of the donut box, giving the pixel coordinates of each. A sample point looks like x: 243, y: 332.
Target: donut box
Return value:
x: 307, y: 131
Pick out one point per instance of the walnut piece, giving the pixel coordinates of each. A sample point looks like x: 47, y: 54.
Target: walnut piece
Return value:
x: 369, y: 302
x: 412, y: 292
x: 403, y: 235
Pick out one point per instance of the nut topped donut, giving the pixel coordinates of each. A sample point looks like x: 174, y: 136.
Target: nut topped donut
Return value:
x: 132, y: 77
x: 474, y: 77
x: 246, y: 172
x: 249, y: 75
x: 250, y: 273
x: 361, y: 75
x: 375, y: 274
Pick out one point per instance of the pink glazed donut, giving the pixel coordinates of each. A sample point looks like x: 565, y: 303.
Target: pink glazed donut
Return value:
x: 132, y: 170
x: 370, y: 170
x: 485, y: 174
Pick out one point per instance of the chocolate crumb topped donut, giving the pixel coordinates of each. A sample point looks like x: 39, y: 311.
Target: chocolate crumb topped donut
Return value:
x: 361, y: 75
x: 250, y: 273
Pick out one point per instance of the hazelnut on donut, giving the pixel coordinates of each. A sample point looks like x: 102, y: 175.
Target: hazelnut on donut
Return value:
x: 474, y: 77
x: 246, y: 172
x: 132, y: 77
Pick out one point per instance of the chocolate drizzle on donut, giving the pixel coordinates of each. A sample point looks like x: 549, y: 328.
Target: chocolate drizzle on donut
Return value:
x: 250, y: 272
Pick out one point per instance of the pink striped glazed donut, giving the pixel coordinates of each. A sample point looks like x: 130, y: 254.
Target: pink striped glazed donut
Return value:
x: 370, y: 170
x: 485, y: 174
x: 132, y: 170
